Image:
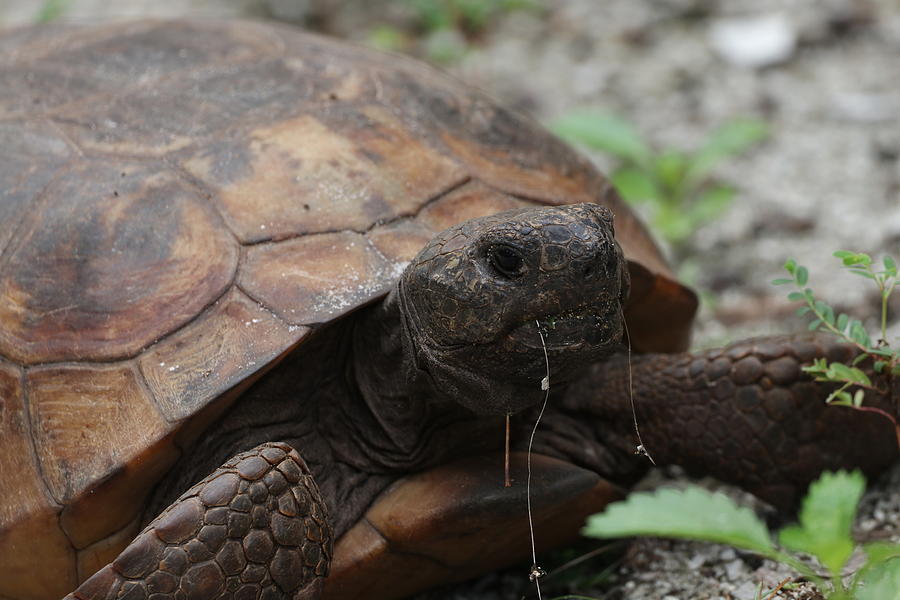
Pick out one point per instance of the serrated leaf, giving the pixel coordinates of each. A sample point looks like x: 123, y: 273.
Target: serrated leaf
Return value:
x: 693, y: 513
x: 881, y: 581
x: 826, y: 518
x: 604, y: 132
x: 802, y: 275
x: 634, y: 185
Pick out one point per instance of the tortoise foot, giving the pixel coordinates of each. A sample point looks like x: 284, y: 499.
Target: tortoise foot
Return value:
x: 255, y: 529
x: 746, y: 414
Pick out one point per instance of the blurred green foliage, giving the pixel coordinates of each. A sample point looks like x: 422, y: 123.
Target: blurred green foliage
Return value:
x: 51, y: 10
x: 676, y: 186
x: 469, y: 16
x: 443, y: 29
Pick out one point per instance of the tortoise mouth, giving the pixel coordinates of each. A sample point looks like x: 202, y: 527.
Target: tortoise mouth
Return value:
x: 573, y: 330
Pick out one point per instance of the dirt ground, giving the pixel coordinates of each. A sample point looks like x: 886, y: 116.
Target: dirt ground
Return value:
x: 826, y: 179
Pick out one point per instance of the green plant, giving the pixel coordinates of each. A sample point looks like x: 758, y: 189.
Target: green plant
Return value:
x: 677, y: 186
x: 51, y: 10
x: 442, y: 29
x: 884, y: 359
x: 469, y: 16
x: 823, y: 531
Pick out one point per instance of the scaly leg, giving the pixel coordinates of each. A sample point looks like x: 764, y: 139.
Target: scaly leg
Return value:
x: 256, y: 528
x: 745, y: 414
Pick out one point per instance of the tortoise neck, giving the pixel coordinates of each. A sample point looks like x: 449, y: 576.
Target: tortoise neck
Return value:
x: 422, y: 425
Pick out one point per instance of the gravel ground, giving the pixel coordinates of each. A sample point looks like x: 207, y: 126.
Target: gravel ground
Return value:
x: 828, y: 178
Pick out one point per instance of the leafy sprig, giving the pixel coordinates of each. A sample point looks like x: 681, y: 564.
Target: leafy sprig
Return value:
x: 852, y: 381
x: 823, y: 532
x: 677, y: 186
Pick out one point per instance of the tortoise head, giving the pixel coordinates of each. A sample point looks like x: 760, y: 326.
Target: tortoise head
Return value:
x: 485, y: 298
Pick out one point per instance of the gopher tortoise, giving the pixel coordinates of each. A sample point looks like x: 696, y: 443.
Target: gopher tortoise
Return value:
x: 267, y: 299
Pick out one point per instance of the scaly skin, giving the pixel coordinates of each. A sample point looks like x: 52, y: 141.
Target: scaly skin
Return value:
x: 745, y: 414
x: 256, y: 528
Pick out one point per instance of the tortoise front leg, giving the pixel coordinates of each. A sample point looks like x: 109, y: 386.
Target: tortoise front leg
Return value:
x: 255, y: 529
x: 745, y: 414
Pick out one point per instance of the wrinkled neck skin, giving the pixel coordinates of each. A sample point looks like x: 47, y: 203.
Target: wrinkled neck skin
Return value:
x: 412, y: 397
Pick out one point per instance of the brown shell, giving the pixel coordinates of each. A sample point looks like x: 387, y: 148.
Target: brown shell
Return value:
x: 183, y: 203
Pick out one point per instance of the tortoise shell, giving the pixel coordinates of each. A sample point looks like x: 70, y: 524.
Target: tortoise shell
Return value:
x: 182, y: 204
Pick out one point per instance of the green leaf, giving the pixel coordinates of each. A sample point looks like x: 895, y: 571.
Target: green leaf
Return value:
x: 669, y: 168
x: 814, y: 325
x: 803, y: 310
x: 881, y: 551
x: 673, y: 223
x: 790, y: 265
x: 781, y: 281
x: 881, y: 581
x: 604, y: 132
x: 859, y: 334
x: 693, y: 513
x: 387, y: 37
x: 52, y: 10
x: 853, y: 258
x: 796, y: 297
x: 890, y: 266
x: 730, y: 139
x: 842, y: 321
x: 801, y: 276
x: 826, y: 518
x: 711, y: 203
x: 634, y: 185
x: 858, y: 398
x: 839, y: 398
x: 841, y: 372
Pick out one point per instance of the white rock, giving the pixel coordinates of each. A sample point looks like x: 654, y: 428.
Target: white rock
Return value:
x: 757, y: 41
x: 866, y: 108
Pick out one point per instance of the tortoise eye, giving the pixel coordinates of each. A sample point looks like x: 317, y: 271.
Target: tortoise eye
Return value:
x: 506, y: 261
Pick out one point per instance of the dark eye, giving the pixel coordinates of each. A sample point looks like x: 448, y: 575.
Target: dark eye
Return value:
x: 507, y: 261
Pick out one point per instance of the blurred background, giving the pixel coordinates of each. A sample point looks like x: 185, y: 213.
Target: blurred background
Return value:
x: 745, y: 133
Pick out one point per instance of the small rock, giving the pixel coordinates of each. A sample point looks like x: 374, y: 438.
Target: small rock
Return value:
x: 758, y: 41
x: 865, y: 108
